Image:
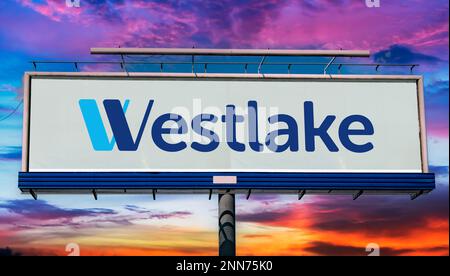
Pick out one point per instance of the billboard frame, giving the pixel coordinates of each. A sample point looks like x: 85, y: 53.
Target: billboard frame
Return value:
x: 25, y: 176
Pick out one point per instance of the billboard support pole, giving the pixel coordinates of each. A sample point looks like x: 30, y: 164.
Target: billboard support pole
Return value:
x: 227, y: 224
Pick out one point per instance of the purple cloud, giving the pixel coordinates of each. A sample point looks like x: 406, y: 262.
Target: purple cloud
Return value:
x: 39, y: 209
x: 156, y: 215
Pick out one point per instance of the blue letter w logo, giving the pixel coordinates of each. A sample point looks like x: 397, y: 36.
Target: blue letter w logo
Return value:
x: 119, y: 125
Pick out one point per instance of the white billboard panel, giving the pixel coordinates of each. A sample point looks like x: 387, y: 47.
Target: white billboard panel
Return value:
x: 83, y: 122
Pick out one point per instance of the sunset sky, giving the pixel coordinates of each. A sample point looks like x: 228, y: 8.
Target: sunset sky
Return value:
x: 413, y: 31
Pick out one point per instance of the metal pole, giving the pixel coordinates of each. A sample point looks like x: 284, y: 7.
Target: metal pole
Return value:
x: 227, y: 225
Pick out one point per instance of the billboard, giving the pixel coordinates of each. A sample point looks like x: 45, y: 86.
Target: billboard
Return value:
x: 137, y: 122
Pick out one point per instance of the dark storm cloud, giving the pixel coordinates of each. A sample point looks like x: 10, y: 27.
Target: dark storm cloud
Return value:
x: 402, y: 54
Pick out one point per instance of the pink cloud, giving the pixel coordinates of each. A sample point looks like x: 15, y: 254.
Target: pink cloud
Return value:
x: 55, y: 9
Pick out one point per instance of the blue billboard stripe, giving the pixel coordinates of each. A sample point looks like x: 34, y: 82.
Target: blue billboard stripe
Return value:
x: 242, y: 177
x: 310, y: 181
x: 257, y: 186
x: 240, y: 174
x: 240, y: 180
